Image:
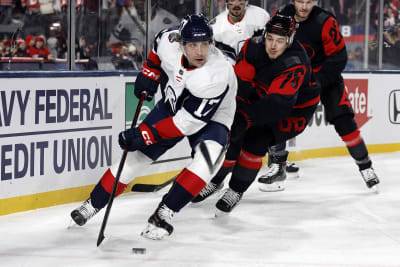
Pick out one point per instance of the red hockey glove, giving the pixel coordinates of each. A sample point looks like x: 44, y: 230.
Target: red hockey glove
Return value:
x: 147, y: 81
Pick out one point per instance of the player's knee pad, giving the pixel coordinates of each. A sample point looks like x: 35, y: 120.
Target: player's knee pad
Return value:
x: 134, y: 164
x: 199, y: 164
x: 345, y: 125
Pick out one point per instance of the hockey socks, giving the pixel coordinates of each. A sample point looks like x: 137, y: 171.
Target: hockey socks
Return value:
x: 102, y: 191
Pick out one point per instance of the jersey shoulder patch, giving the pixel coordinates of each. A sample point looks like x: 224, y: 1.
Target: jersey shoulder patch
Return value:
x: 170, y: 34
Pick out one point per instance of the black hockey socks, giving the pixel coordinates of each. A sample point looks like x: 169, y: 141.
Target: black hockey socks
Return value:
x: 347, y: 128
x: 245, y: 171
x: 186, y: 186
x: 227, y: 167
x: 102, y: 191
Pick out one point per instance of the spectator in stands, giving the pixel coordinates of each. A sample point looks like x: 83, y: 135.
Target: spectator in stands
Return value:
x: 391, y: 48
x: 39, y: 49
x: 392, y: 36
x: 342, y: 10
x: 122, y: 59
x: 30, y: 41
x: 21, y: 49
x: 273, y: 7
x: 5, y: 11
x: 4, y: 51
x: 389, y: 20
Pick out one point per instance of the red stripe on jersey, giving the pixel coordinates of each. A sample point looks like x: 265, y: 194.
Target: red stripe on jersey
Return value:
x: 352, y: 139
x: 228, y: 163
x: 153, y: 57
x: 167, y: 129
x: 107, y: 181
x: 288, y: 82
x: 312, y: 102
x: 249, y: 160
x: 191, y: 182
x: 316, y: 69
x: 345, y: 100
x: 332, y: 39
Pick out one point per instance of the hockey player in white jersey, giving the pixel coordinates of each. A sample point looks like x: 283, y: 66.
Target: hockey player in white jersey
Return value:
x: 236, y: 24
x: 198, y: 89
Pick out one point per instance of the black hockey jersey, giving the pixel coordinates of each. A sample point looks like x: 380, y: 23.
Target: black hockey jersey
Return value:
x: 321, y: 38
x: 272, y: 89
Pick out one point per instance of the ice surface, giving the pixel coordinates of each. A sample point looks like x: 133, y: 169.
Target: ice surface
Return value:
x: 327, y: 217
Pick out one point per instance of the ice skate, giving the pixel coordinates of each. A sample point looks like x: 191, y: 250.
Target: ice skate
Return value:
x: 84, y: 212
x: 370, y: 179
x: 273, y: 180
x: 159, y: 224
x: 292, y: 170
x: 227, y: 202
x: 207, y: 191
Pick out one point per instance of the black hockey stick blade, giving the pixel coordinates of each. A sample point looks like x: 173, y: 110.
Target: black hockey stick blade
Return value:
x: 207, y: 157
x: 152, y: 187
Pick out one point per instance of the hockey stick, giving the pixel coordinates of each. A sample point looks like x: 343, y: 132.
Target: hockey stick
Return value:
x: 121, y: 165
x: 207, y: 157
x: 152, y: 187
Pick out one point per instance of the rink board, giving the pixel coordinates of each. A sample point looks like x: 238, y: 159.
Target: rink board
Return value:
x: 59, y: 134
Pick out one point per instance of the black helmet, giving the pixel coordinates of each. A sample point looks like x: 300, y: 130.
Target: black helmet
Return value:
x: 195, y: 28
x: 282, y: 25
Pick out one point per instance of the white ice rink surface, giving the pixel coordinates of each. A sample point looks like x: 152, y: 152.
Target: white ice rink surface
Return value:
x: 325, y: 218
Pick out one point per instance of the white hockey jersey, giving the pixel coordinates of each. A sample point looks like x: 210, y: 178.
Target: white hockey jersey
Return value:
x: 234, y: 35
x: 198, y: 95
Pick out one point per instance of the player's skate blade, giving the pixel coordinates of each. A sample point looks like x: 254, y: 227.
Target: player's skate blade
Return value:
x: 375, y: 189
x: 371, y: 179
x: 160, y: 223
x: 219, y: 213
x: 155, y: 233
x: 274, y: 187
x: 227, y: 202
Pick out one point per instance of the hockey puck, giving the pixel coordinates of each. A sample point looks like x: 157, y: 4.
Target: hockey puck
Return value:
x: 139, y: 250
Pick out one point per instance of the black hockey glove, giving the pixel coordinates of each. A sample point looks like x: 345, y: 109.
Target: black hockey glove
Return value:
x: 147, y: 81
x: 138, y: 138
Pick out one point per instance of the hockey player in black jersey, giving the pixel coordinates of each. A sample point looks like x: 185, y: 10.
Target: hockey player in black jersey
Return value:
x: 277, y: 96
x: 318, y: 32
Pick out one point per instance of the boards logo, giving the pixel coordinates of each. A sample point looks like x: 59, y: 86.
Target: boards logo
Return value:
x: 394, y: 107
x: 357, y: 90
x: 131, y: 103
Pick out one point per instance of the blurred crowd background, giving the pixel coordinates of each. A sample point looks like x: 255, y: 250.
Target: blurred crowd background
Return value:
x: 112, y: 34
